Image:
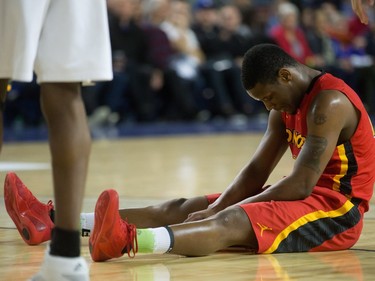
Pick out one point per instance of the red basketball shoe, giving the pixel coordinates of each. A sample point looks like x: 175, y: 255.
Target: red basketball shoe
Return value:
x: 111, y: 236
x: 31, y: 217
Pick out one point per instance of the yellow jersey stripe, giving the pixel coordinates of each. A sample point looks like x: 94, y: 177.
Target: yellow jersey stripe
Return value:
x: 343, y: 167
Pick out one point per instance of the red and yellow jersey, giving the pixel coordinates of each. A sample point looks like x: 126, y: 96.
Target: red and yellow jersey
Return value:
x: 351, y: 169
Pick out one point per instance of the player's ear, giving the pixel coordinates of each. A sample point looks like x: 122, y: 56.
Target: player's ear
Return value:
x: 285, y: 75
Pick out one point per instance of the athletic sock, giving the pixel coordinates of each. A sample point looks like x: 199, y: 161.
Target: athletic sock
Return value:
x: 62, y: 268
x: 65, y: 243
x: 87, y: 223
x: 155, y: 240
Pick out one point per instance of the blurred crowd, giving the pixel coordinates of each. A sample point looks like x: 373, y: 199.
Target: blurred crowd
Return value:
x: 179, y: 60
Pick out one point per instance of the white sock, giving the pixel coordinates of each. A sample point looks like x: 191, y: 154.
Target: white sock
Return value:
x: 58, y: 268
x: 87, y: 223
x: 154, y: 240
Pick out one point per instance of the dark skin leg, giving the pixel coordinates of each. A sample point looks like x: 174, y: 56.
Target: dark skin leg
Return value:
x: 230, y: 227
x: 70, y: 145
x: 168, y: 213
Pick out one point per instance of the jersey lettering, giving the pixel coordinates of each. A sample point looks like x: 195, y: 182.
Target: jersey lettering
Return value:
x: 295, y: 138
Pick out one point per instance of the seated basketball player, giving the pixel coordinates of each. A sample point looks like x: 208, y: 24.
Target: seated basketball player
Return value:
x: 319, y: 206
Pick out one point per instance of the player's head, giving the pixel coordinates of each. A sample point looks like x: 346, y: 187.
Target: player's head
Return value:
x: 261, y: 64
x: 270, y: 75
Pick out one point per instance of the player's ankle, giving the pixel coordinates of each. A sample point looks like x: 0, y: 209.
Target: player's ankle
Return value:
x: 65, y: 243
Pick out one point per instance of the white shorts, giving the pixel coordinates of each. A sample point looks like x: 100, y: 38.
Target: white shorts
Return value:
x: 61, y: 40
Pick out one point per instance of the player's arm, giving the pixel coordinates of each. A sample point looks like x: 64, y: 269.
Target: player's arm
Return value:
x: 329, y: 117
x: 254, y: 175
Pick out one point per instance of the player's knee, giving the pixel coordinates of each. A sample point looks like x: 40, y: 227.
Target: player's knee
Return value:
x: 235, y: 227
x: 230, y: 218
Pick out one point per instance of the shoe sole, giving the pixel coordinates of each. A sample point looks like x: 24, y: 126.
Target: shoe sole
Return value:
x: 103, y: 230
x: 22, y: 223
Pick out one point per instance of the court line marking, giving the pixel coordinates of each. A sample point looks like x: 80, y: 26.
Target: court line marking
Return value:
x: 24, y: 166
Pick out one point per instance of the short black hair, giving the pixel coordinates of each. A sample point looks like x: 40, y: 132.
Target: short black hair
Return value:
x: 262, y: 63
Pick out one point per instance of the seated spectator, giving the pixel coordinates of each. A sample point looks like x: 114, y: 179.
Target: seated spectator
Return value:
x: 131, y: 92
x: 188, y: 52
x: 289, y: 36
x: 235, y: 38
x: 359, y: 68
x: 258, y: 17
x: 315, y: 26
x: 353, y: 61
x: 178, y: 103
x: 224, y: 40
x: 205, y: 27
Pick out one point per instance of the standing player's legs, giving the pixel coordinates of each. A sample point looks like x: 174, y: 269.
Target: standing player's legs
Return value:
x: 69, y: 42
x: 71, y: 50
x: 73, y: 47
x: 70, y: 142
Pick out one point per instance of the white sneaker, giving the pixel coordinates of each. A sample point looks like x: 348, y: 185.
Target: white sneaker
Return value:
x: 55, y: 268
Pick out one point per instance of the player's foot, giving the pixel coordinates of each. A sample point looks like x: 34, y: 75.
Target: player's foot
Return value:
x: 111, y: 236
x: 31, y: 217
x: 56, y: 268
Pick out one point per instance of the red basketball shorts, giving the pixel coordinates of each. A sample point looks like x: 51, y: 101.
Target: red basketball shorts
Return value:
x: 324, y: 221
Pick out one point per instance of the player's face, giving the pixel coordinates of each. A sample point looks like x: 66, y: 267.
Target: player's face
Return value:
x: 277, y: 96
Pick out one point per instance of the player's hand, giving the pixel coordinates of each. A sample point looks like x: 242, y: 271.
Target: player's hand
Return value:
x: 359, y: 9
x: 200, y: 215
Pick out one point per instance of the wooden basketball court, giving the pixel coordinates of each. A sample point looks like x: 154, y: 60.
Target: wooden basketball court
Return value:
x: 150, y: 170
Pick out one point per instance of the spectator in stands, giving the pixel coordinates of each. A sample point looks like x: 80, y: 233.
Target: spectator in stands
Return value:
x: 363, y: 64
x: 358, y: 64
x: 205, y: 26
x: 188, y: 54
x: 289, y: 36
x: 223, y: 39
x: 131, y: 93
x: 178, y: 103
x: 258, y: 15
x: 177, y: 26
x: 354, y: 62
x: 315, y: 28
x: 235, y: 38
